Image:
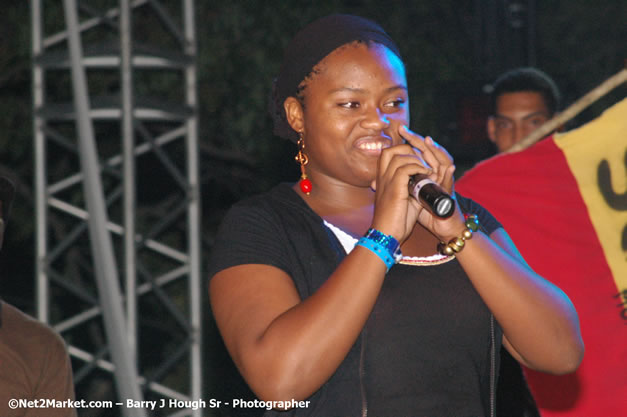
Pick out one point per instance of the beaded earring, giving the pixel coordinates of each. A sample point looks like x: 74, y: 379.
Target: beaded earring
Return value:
x: 301, y: 158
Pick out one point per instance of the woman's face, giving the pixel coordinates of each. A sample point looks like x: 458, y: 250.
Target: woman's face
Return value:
x: 354, y: 105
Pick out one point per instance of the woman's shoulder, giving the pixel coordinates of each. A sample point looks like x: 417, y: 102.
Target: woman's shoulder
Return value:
x: 281, y: 195
x: 278, y: 204
x: 488, y: 222
x: 263, y: 229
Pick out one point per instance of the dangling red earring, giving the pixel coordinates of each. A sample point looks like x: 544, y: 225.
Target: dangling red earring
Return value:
x: 301, y: 158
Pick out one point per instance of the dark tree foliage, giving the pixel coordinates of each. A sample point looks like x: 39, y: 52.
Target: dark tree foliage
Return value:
x: 240, y: 45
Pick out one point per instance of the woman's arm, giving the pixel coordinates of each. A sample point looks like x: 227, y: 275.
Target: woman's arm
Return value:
x: 286, y: 348
x: 540, y: 324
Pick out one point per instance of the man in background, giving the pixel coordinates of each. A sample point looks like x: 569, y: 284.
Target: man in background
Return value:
x: 34, y: 364
x: 522, y: 100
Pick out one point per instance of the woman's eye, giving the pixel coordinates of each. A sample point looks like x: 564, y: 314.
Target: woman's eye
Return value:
x: 350, y: 104
x: 395, y: 103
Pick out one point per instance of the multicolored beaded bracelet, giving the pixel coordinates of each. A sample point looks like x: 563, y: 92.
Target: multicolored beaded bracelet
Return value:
x: 456, y: 244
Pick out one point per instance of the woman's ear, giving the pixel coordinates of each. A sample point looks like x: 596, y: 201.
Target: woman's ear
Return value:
x: 294, y: 113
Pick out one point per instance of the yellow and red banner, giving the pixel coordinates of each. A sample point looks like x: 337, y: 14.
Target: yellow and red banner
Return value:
x: 564, y: 203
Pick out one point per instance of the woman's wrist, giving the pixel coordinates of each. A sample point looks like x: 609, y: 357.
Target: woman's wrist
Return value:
x: 457, y: 243
x: 386, y: 247
x: 388, y: 228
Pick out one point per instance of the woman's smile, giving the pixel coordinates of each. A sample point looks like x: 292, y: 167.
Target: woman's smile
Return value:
x: 373, y: 145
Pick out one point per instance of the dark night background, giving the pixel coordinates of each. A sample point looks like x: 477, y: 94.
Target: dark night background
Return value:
x: 451, y: 48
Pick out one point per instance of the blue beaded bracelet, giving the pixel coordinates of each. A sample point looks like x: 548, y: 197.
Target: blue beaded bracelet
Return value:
x: 379, y: 250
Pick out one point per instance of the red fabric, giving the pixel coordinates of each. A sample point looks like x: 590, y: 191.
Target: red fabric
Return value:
x: 535, y: 196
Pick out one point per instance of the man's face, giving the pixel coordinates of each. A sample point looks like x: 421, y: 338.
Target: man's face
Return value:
x: 516, y: 115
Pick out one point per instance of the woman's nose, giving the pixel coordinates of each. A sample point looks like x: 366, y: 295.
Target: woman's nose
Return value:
x: 376, y: 119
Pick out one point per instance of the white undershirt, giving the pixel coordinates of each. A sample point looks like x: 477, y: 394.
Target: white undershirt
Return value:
x: 349, y: 242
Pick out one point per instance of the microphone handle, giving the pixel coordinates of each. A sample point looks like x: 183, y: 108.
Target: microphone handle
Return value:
x: 431, y: 196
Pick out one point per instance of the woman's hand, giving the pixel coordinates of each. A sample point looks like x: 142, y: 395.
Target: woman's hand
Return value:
x: 393, y: 201
x: 443, y: 169
x: 396, y: 212
x: 434, y: 156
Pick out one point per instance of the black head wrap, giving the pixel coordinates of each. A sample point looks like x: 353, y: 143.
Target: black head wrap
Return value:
x: 314, y: 42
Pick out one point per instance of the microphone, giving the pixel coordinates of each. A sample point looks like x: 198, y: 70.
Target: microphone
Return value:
x: 431, y: 196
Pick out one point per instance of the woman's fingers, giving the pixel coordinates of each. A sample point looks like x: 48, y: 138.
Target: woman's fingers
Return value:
x: 427, y: 146
x: 426, y: 149
x: 434, y: 155
x: 449, y: 178
x: 396, y: 160
x: 398, y: 155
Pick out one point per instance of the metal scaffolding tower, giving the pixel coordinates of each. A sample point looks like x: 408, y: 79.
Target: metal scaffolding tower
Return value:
x: 117, y: 196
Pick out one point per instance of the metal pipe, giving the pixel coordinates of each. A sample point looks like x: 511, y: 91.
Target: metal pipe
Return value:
x: 101, y: 244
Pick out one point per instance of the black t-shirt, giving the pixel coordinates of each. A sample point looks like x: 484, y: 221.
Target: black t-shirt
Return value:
x: 425, y: 350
